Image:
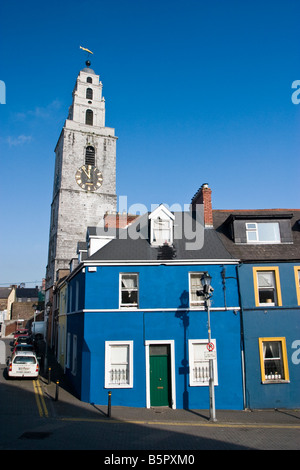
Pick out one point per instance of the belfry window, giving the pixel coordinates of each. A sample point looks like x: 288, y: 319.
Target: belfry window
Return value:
x: 89, y: 94
x: 90, y: 156
x: 89, y: 80
x: 89, y: 117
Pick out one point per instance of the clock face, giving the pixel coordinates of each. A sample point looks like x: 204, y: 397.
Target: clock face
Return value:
x: 88, y: 177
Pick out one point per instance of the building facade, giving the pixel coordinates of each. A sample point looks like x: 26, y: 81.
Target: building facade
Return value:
x: 137, y: 323
x: 268, y: 245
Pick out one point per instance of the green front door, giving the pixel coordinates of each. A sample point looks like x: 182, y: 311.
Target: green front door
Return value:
x: 160, y: 375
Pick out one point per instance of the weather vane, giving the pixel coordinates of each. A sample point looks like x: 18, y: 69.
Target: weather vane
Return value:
x: 88, y: 63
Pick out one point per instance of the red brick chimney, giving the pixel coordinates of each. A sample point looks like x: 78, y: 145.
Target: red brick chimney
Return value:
x: 203, y: 196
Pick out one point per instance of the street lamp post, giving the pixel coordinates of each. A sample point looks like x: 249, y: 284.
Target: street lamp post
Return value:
x: 207, y: 293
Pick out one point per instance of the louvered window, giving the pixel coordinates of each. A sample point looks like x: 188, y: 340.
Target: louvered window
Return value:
x: 90, y: 156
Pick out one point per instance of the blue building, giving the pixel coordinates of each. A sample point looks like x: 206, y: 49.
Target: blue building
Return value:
x: 268, y: 244
x: 136, y: 315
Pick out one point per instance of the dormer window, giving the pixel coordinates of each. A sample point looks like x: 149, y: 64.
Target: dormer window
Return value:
x: 261, y: 227
x: 262, y: 232
x: 161, y: 231
x: 161, y: 226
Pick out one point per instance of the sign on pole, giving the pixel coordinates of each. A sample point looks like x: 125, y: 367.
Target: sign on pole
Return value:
x: 211, y: 352
x: 210, y: 355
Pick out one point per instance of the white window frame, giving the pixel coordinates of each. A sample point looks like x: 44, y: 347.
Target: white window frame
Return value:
x: 121, y: 289
x: 107, y: 380
x: 271, y: 288
x: 253, y: 227
x: 199, y: 304
x: 166, y: 226
x: 201, y: 382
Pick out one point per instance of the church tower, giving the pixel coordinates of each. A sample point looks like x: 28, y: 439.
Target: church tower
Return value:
x: 85, y: 173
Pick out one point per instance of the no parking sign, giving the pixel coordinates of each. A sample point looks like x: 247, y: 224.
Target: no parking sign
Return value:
x: 211, y: 352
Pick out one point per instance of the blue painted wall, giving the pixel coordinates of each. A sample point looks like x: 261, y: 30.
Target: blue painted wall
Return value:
x: 159, y: 287
x: 258, y: 322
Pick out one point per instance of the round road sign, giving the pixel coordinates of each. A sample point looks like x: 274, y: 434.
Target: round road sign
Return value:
x: 210, y: 346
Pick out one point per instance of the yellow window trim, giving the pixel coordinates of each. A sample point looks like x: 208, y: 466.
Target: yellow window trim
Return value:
x: 275, y: 269
x: 296, y: 271
x: 284, y: 358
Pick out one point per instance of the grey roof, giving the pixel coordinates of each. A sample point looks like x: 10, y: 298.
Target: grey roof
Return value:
x: 253, y: 252
x: 27, y: 292
x: 88, y: 70
x: 81, y: 246
x: 124, y: 247
x: 4, y: 292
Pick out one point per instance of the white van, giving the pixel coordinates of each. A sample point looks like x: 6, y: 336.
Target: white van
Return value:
x: 24, y: 364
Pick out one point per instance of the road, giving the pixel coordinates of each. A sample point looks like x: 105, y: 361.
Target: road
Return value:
x: 31, y: 419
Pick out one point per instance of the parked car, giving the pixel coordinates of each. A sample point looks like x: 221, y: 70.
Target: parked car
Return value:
x: 24, y: 347
x: 21, y: 332
x: 23, y: 339
x: 24, y: 364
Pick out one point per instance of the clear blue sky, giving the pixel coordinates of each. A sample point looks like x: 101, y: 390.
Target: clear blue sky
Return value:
x: 197, y: 90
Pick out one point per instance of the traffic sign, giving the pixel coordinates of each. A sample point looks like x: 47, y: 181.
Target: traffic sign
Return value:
x: 210, y: 346
x: 210, y: 355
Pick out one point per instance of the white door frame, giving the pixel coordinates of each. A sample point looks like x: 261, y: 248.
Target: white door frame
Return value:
x: 171, y: 342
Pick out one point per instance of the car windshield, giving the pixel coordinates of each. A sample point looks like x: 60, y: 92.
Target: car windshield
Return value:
x: 24, y: 360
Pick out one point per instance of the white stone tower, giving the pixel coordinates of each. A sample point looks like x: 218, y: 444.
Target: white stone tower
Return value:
x: 85, y: 173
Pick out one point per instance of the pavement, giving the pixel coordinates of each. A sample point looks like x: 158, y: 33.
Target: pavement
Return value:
x: 63, y: 404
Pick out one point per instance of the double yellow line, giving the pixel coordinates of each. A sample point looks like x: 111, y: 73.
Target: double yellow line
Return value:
x: 40, y: 401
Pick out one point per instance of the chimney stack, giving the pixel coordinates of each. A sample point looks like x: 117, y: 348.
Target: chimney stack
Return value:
x: 203, y: 196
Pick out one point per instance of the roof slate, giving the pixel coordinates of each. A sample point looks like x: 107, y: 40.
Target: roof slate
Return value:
x: 27, y: 292
x: 123, y: 247
x: 4, y: 292
x: 264, y: 252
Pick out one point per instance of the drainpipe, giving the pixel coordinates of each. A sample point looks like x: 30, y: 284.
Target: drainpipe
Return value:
x: 242, y: 339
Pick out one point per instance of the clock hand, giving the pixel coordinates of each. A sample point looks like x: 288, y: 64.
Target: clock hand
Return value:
x: 89, y: 172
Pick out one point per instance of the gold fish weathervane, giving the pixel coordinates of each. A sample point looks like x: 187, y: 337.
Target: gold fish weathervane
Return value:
x: 87, y: 50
